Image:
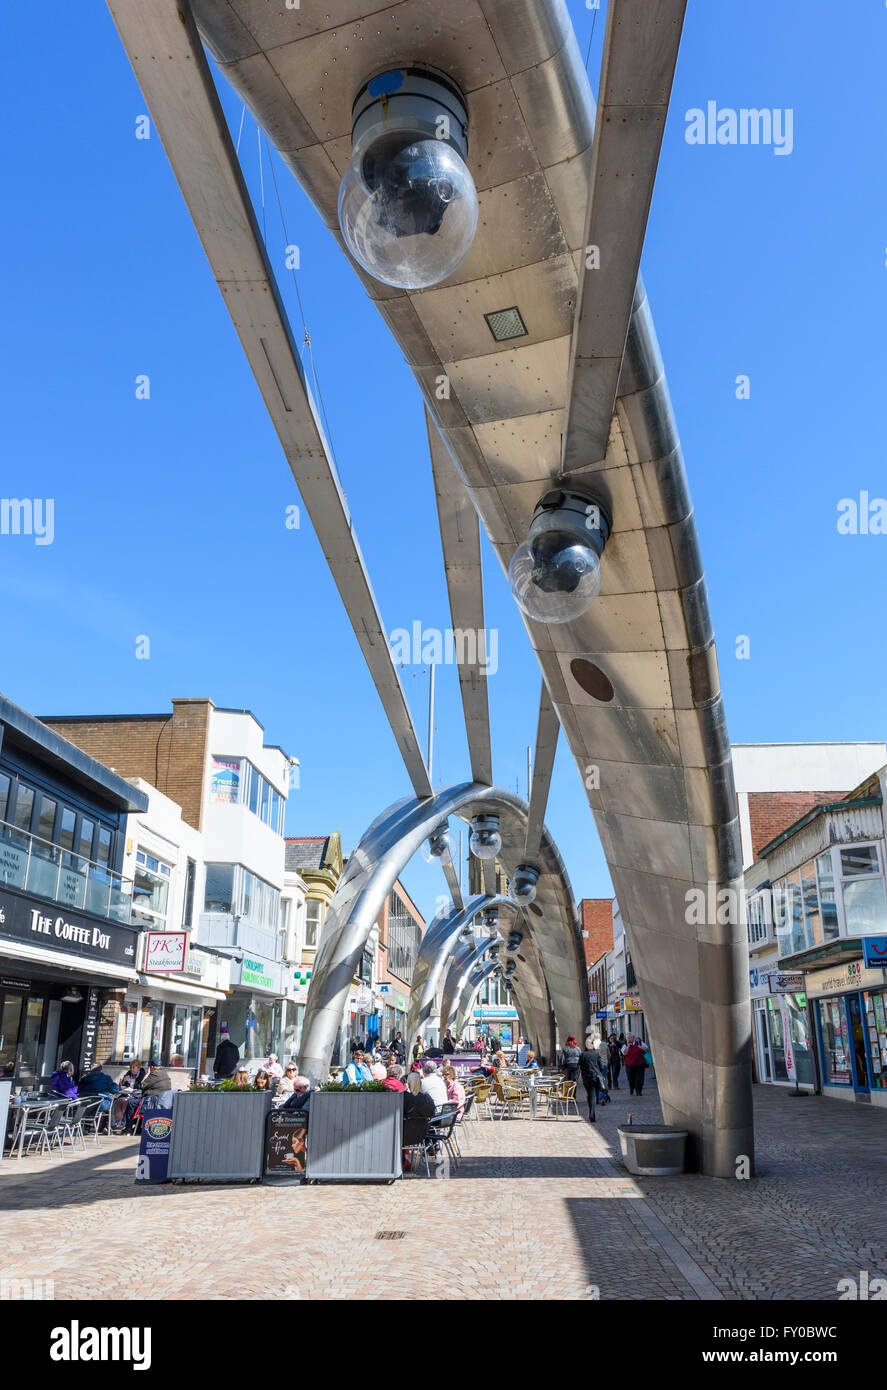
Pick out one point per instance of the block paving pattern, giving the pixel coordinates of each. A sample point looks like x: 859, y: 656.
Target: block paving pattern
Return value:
x: 535, y: 1210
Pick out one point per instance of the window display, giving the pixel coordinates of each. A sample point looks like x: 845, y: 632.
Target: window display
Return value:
x: 835, y: 1043
x: 876, y: 1024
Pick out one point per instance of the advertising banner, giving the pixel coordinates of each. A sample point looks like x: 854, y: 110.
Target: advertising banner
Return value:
x: 153, y: 1164
x: 285, y: 1144
x: 165, y: 951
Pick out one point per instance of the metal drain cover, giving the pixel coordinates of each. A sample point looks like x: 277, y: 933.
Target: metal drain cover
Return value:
x: 390, y: 1235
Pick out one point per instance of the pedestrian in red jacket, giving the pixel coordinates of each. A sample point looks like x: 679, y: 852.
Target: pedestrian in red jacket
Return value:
x: 635, y: 1065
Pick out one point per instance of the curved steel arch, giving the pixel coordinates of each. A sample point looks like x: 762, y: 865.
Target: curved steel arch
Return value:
x: 434, y: 951
x: 461, y: 964
x: 371, y: 871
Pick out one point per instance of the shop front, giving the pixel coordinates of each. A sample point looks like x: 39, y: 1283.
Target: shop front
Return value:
x: 254, y: 1012
x: 56, y: 966
x: 849, y: 1002
x: 783, y: 1042
x: 169, y: 1014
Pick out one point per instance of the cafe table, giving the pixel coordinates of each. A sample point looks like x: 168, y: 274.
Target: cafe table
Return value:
x: 19, y: 1110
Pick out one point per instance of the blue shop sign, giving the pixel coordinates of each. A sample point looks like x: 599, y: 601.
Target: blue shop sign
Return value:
x: 874, y: 951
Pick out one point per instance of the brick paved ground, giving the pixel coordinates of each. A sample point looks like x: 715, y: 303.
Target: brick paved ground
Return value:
x: 536, y: 1210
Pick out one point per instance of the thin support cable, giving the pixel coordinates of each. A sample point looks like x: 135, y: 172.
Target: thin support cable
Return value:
x: 307, y: 340
x: 262, y: 186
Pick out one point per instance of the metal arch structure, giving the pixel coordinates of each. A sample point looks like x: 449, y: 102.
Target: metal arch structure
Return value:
x: 469, y: 993
x: 434, y: 951
x: 465, y: 957
x: 634, y: 681
x: 533, y: 1008
x: 371, y: 870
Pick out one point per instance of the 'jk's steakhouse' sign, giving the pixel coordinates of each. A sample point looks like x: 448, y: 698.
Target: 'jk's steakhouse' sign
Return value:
x: 41, y: 924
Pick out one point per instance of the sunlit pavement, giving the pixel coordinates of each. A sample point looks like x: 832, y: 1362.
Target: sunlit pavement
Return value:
x: 538, y: 1210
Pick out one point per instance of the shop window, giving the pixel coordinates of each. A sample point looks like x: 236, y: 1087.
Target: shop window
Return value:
x: 184, y: 1044
x: 777, y: 1040
x: 152, y: 1031
x: 876, y: 1024
x: 190, y: 877
x: 862, y: 891
x: 861, y: 859
x: 835, y: 1043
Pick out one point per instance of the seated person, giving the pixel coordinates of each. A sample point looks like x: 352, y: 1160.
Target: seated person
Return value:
x: 96, y: 1082
x: 286, y: 1087
x: 241, y: 1076
x: 157, y: 1080
x: 63, y: 1080
x: 434, y: 1085
x: 417, y: 1104
x: 394, y: 1079
x: 531, y: 1064
x: 301, y: 1096
x: 263, y: 1081
x: 357, y: 1071
x: 130, y: 1081
x: 455, y: 1089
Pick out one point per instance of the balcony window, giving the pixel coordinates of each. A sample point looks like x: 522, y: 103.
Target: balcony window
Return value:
x: 219, y: 892
x: 4, y: 795
x: 825, y: 875
x: 150, y: 891
x: 46, y: 822
x: 24, y: 808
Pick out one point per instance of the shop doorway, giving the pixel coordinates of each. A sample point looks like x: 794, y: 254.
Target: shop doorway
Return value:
x: 857, y: 1044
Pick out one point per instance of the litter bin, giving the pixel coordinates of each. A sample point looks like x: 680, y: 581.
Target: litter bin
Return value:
x: 653, y: 1151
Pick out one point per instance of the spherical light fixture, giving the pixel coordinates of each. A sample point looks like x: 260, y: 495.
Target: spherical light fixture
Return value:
x: 485, y: 841
x: 522, y: 888
x: 408, y: 204
x: 556, y: 574
x: 491, y: 918
x: 440, y: 844
x: 514, y: 940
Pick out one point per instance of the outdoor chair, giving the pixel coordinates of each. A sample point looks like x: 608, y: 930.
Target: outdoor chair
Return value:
x: 414, y: 1137
x: 42, y: 1124
x: 509, y: 1097
x: 482, y: 1097
x: 466, y: 1111
x: 562, y: 1098
x: 92, y: 1116
x: 440, y: 1130
x: 70, y: 1122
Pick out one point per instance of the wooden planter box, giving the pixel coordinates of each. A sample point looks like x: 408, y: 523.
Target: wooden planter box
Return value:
x: 219, y: 1135
x: 653, y: 1151
x: 355, y: 1136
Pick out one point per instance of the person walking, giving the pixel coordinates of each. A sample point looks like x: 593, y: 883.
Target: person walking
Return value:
x: 227, y: 1056
x: 449, y: 1043
x: 399, y: 1048
x: 615, y: 1061
x: 590, y: 1071
x: 570, y: 1059
x: 635, y: 1065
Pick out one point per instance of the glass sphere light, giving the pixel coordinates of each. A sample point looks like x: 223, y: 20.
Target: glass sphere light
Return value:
x: 408, y: 210
x: 485, y: 842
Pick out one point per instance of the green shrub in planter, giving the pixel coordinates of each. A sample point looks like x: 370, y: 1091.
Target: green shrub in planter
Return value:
x: 358, y: 1086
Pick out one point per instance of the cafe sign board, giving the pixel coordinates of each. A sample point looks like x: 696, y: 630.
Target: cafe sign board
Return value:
x: 166, y: 951
x: 51, y: 927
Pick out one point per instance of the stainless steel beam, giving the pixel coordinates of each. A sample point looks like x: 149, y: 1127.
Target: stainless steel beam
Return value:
x: 641, y: 43
x: 434, y: 952
x: 547, y: 730
x: 378, y: 860
x: 460, y: 541
x: 164, y: 47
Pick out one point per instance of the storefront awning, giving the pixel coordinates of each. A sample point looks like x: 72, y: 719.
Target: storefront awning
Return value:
x: 832, y: 953
x: 172, y: 989
x: 81, y: 965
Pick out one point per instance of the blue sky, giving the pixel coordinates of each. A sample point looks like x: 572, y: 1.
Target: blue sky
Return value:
x: 169, y: 513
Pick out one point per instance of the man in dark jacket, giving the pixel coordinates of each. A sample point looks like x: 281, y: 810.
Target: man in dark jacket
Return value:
x: 590, y: 1072
x: 615, y: 1061
x: 226, y: 1058
x: 98, y: 1083
x: 301, y: 1096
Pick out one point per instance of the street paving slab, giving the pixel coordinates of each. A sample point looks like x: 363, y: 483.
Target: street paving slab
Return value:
x: 534, y: 1210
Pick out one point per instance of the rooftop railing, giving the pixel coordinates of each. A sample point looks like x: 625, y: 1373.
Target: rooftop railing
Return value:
x: 38, y: 866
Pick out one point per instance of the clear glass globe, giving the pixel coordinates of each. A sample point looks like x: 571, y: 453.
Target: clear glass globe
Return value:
x: 522, y: 891
x: 439, y: 846
x: 554, y: 577
x: 408, y: 210
x: 485, y: 844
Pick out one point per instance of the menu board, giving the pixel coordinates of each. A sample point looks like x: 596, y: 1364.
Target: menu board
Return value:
x: 285, y: 1143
